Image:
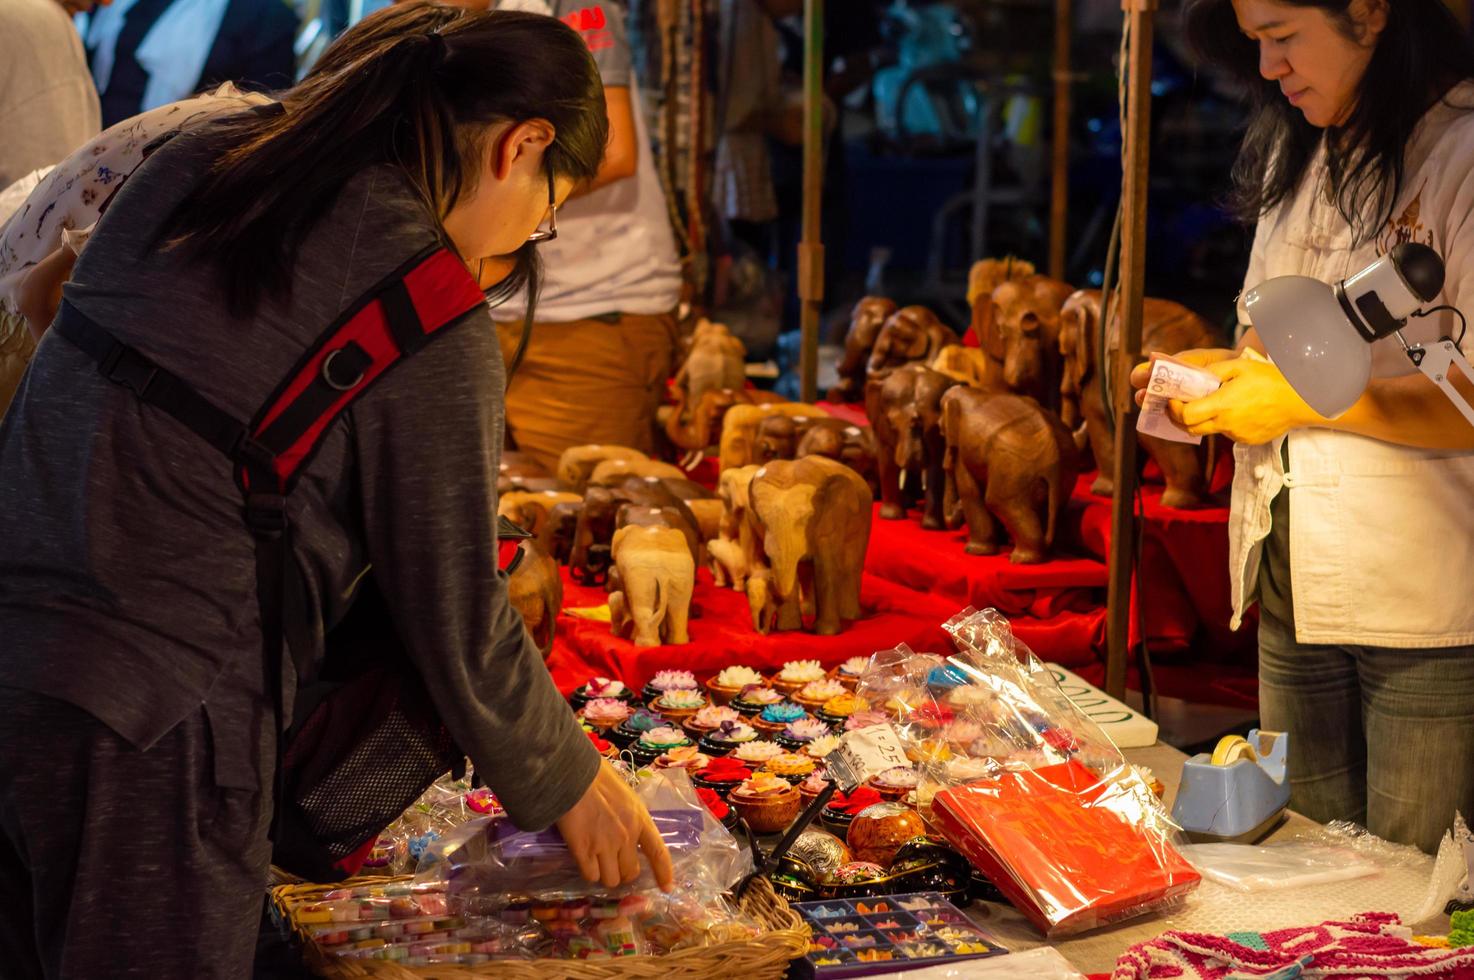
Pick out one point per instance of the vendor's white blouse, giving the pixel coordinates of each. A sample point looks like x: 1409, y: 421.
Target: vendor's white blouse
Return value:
x: 64, y: 206
x: 1381, y: 536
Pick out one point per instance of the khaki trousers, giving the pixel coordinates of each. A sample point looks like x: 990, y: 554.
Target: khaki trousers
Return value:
x: 588, y: 381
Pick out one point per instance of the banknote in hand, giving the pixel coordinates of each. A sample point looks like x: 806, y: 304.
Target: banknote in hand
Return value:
x: 1171, y: 379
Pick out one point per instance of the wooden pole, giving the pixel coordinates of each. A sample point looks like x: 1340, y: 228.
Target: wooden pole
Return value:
x: 1133, y: 278
x: 1060, y: 192
x: 811, y: 246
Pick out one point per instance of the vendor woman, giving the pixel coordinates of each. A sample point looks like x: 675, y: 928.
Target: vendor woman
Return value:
x: 1356, y: 534
x: 135, y: 782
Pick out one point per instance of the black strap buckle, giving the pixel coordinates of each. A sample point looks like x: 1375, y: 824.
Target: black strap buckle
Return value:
x: 125, y: 366
x: 266, y: 514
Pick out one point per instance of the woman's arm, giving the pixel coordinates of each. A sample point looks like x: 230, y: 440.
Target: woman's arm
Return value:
x: 38, y: 296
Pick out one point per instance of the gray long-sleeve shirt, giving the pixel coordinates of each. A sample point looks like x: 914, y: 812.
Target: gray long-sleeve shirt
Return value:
x: 127, y: 579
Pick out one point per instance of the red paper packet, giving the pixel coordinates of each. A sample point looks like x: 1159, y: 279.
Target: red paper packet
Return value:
x: 1068, y: 848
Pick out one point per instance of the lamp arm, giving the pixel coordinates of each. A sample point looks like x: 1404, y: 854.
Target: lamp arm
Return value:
x: 1435, y: 363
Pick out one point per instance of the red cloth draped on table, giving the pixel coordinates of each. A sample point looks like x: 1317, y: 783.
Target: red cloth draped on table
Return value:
x: 915, y: 580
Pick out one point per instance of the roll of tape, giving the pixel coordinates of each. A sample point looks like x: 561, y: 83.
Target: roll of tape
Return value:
x: 1231, y: 749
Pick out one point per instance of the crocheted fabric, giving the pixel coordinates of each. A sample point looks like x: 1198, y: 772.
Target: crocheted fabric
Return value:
x: 1373, y: 944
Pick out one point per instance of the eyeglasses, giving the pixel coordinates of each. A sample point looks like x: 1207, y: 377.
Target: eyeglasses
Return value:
x: 546, y: 236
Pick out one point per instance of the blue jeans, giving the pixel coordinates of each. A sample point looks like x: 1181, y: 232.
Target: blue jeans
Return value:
x: 1381, y: 737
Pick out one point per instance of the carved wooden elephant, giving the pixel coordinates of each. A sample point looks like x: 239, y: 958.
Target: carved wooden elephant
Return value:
x: 598, y: 521
x: 739, y: 429
x: 1018, y: 326
x: 613, y: 472
x: 913, y: 333
x: 814, y: 517
x: 778, y: 435
x: 987, y: 274
x: 965, y: 365
x: 844, y: 442
x: 515, y: 468
x: 905, y: 412
x: 530, y: 510
x: 577, y: 463
x: 701, y: 427
x: 536, y: 591
x: 558, y: 531
x: 1167, y: 328
x: 716, y: 360
x: 657, y: 577
x: 868, y: 316
x: 1008, y: 458
x: 738, y: 550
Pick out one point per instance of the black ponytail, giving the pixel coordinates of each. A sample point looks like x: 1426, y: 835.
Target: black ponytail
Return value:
x: 415, y: 86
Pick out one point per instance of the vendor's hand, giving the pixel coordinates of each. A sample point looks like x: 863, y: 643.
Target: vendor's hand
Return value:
x: 606, y: 827
x: 1255, y: 405
x: 1202, y: 357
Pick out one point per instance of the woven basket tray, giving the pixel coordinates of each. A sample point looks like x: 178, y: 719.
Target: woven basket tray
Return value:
x: 763, y: 958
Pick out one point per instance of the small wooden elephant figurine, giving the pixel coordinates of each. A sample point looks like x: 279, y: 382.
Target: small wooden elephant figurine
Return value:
x: 716, y: 360
x: 530, y: 510
x: 515, y: 468
x: 536, y: 591
x: 697, y: 428
x: 598, y: 521
x: 577, y: 463
x: 1018, y: 328
x: 913, y: 333
x: 965, y: 365
x: 1011, y: 459
x: 738, y: 550
x: 814, y: 517
x: 657, y: 577
x: 1166, y: 328
x: 740, y: 426
x: 843, y: 442
x: 905, y: 412
x: 868, y: 316
x: 987, y: 275
x: 778, y: 435
x: 555, y: 537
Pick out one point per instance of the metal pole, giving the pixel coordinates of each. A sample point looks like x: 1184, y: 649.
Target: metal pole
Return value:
x: 1060, y: 194
x: 1132, y: 279
x: 811, y: 248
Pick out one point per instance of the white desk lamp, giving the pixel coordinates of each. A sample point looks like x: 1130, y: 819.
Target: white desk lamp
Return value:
x: 1320, y: 336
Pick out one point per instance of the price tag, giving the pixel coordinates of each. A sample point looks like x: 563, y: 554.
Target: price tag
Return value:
x: 864, y: 753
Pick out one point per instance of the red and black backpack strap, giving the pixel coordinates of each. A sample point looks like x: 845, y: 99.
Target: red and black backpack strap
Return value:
x: 390, y: 322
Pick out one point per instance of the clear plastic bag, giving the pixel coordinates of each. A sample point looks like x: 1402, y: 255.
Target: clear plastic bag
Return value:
x: 1025, y: 784
x: 1283, y: 864
x: 488, y: 864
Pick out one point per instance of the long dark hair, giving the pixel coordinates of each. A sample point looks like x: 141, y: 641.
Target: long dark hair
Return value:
x: 1420, y: 55
x: 414, y: 86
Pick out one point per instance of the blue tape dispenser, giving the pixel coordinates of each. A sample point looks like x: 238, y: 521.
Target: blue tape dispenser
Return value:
x: 1238, y: 792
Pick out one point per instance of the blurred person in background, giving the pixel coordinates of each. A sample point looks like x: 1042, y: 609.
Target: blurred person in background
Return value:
x: 48, y: 106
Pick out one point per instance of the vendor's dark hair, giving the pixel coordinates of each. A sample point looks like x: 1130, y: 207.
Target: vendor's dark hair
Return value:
x: 414, y: 86
x: 1420, y: 55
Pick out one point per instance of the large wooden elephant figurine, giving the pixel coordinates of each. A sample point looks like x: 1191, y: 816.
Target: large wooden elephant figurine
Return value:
x: 716, y: 360
x: 598, y: 521
x: 739, y: 429
x: 1011, y: 459
x: 868, y: 316
x: 536, y: 591
x: 697, y: 428
x: 1166, y: 328
x: 657, y: 576
x: 913, y: 333
x: 905, y: 413
x: 1018, y: 328
x: 577, y: 463
x: 814, y: 518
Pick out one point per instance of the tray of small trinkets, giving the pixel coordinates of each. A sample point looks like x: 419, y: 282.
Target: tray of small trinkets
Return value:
x: 877, y: 935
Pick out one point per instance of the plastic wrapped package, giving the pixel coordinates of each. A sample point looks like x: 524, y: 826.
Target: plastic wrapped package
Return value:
x: 448, y: 803
x: 1025, y: 785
